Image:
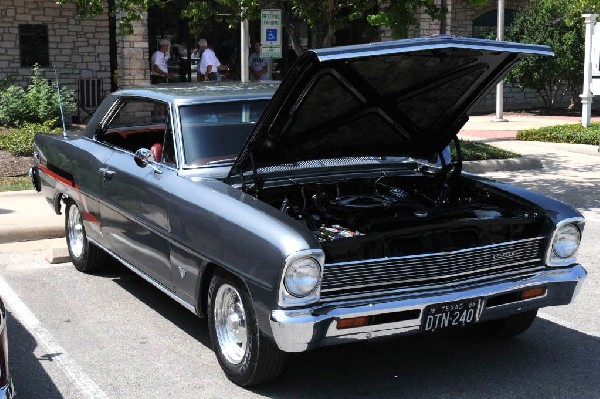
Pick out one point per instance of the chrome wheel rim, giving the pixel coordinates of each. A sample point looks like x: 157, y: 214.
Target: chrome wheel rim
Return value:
x: 76, y: 233
x: 230, y: 324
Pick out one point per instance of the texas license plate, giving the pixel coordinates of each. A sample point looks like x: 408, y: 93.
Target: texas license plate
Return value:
x: 445, y: 316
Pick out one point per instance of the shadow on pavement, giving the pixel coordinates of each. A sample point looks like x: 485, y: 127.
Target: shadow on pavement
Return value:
x: 576, y: 184
x: 548, y: 361
x: 161, y: 303
x: 29, y: 377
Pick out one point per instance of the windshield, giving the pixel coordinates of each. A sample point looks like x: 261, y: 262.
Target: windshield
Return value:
x: 214, y: 133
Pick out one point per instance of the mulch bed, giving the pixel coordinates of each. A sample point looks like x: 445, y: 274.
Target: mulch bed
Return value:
x: 11, y: 166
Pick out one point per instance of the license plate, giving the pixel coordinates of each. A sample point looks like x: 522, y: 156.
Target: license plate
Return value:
x: 445, y: 316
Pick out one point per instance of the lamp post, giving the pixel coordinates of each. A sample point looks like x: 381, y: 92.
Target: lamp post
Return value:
x: 500, y: 85
x: 244, y: 48
x: 587, y: 96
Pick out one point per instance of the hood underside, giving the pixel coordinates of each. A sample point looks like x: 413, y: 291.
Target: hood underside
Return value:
x: 397, y: 98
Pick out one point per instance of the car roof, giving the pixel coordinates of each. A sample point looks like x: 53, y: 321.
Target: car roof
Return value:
x: 182, y: 93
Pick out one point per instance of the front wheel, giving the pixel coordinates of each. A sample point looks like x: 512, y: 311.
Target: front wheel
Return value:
x: 508, y: 327
x: 245, y: 354
x: 85, y: 256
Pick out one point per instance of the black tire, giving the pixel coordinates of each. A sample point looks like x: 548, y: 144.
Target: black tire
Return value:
x: 86, y: 257
x: 508, y: 327
x: 257, y: 360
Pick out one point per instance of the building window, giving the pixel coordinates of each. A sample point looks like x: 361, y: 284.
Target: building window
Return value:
x: 33, y: 45
x: 485, y: 26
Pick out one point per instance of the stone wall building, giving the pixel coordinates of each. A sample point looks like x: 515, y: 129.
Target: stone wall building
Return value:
x: 43, y: 32
x: 33, y: 30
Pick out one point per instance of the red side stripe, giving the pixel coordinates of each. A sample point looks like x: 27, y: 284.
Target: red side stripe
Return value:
x: 57, y: 177
x: 89, y: 217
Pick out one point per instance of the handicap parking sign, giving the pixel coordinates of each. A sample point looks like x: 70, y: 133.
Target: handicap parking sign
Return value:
x: 271, y: 35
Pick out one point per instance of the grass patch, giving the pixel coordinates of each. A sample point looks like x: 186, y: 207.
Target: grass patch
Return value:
x: 574, y: 134
x: 15, y: 183
x: 477, y: 151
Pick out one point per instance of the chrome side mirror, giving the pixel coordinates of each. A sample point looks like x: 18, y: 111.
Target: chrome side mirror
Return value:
x: 144, y: 157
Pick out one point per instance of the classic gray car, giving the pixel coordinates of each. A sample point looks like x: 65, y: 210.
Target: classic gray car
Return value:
x: 313, y: 213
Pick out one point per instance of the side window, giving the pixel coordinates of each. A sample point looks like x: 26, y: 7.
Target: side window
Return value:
x: 168, y: 148
x: 139, y: 124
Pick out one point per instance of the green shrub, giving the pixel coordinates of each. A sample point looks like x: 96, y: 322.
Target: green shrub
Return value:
x: 35, y: 104
x: 5, y: 83
x: 575, y: 134
x: 477, y: 151
x: 19, y: 142
x: 13, y: 109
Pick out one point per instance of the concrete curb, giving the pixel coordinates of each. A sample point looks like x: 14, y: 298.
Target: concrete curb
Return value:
x: 26, y: 216
x: 492, y: 165
x: 30, y: 233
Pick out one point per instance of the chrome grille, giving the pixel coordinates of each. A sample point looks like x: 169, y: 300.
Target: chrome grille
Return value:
x: 514, y: 259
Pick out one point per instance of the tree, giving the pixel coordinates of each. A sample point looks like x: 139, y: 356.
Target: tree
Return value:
x: 129, y: 11
x: 324, y: 17
x: 556, y: 23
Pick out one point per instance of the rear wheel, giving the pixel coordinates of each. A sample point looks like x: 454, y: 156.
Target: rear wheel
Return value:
x: 245, y: 354
x: 86, y: 257
x: 508, y: 327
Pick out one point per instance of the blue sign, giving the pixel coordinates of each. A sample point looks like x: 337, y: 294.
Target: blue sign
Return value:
x: 271, y: 35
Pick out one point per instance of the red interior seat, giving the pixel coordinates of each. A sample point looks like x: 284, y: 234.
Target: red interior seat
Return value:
x: 157, y: 151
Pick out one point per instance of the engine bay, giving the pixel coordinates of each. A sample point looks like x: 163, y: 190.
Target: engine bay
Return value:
x: 449, y: 214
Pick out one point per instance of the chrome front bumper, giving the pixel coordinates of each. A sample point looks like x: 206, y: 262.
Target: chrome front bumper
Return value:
x: 298, y: 330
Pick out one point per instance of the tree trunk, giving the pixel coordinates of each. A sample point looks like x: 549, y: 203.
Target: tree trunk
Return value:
x: 293, y: 35
x: 331, y: 23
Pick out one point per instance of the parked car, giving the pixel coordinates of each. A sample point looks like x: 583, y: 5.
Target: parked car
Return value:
x: 309, y: 214
x: 6, y: 386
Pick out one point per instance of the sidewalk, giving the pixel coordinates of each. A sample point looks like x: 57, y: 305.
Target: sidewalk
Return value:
x: 25, y: 216
x: 484, y: 128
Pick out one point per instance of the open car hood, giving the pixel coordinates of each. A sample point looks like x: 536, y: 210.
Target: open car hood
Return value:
x: 394, y: 98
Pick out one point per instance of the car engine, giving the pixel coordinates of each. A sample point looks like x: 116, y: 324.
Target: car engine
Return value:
x: 401, y: 215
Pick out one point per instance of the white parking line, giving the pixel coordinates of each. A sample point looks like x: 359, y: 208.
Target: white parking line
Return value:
x: 85, y: 384
x: 569, y: 325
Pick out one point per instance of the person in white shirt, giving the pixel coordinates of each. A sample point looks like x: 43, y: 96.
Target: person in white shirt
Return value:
x: 260, y: 68
x: 209, y: 63
x: 159, y: 71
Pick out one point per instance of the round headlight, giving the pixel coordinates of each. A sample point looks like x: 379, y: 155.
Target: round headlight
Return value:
x: 566, y: 241
x: 302, y: 277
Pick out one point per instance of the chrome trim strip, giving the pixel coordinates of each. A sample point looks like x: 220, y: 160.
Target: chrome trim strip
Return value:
x: 458, y: 251
x: 341, y: 280
x: 148, y: 278
x: 525, y: 273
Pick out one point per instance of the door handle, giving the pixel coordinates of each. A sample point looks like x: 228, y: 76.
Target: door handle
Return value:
x: 106, y: 173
